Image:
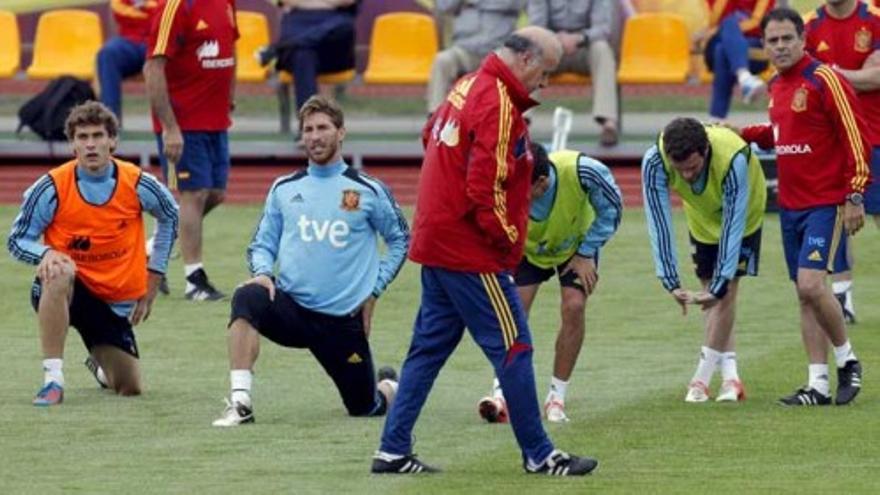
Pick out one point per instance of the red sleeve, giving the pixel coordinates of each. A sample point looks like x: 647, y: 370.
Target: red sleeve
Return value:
x: 760, y: 134
x: 167, y: 24
x: 757, y: 13
x: 488, y: 166
x: 234, y: 19
x: 838, y: 99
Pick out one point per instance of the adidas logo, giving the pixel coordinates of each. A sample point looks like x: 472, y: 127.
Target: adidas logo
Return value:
x: 355, y: 358
x: 815, y: 256
x: 297, y: 198
x: 202, y: 25
x: 80, y: 243
x: 823, y: 47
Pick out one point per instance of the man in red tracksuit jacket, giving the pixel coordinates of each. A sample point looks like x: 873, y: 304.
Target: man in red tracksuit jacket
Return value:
x: 469, y: 231
x: 822, y: 153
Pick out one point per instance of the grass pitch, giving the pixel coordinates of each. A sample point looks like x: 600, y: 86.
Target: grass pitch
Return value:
x: 625, y: 399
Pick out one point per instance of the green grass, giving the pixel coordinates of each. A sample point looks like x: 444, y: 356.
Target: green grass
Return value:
x: 625, y: 400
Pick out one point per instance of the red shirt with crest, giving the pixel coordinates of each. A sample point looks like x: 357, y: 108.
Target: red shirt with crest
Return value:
x: 197, y: 37
x: 847, y: 43
x: 819, y: 134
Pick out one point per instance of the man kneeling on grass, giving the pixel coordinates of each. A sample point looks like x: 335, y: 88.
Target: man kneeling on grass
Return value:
x: 92, y: 268
x: 319, y: 226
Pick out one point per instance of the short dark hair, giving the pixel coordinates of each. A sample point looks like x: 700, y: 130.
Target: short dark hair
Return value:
x: 91, y: 113
x: 321, y: 104
x: 520, y: 44
x: 683, y: 137
x: 541, y: 167
x: 783, y: 14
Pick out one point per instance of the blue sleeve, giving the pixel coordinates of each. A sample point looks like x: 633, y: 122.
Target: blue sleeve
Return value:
x: 605, y: 197
x: 655, y: 191
x: 263, y: 249
x: 735, y: 199
x: 37, y: 212
x: 157, y: 200
x: 389, y: 221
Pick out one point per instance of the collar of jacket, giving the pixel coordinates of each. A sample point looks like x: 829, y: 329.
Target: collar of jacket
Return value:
x: 494, y: 66
x: 797, y: 69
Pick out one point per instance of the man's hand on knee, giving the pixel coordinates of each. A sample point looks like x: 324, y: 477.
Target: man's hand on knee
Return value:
x: 55, y: 264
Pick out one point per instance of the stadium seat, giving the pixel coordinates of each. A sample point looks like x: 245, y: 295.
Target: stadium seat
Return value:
x: 656, y: 49
x: 253, y: 33
x: 10, y: 45
x: 330, y: 78
x: 66, y: 43
x: 570, y: 78
x: 402, y: 49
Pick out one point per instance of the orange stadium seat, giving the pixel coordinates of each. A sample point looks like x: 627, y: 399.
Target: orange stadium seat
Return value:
x: 328, y: 78
x: 402, y: 49
x: 10, y: 45
x: 66, y: 43
x: 656, y: 49
x: 570, y: 78
x: 253, y: 33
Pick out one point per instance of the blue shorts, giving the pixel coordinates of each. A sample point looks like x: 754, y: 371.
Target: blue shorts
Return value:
x: 872, y: 193
x: 814, y: 239
x: 204, y: 164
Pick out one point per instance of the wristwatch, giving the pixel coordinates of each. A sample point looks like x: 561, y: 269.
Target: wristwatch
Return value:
x: 855, y: 198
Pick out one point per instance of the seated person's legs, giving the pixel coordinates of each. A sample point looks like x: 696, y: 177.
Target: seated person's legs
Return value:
x: 118, y: 59
x: 730, y: 62
x: 449, y: 65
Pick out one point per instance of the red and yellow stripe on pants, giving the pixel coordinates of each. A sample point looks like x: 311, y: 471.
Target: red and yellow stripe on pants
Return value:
x: 502, y: 309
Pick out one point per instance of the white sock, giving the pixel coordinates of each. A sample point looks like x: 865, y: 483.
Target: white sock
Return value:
x: 742, y: 76
x: 709, y: 360
x: 557, y: 389
x: 818, y: 378
x: 728, y: 366
x: 149, y: 245
x: 189, y: 270
x: 52, y: 371
x: 496, y: 389
x: 240, y: 381
x: 843, y: 354
x: 841, y: 286
x: 102, y: 377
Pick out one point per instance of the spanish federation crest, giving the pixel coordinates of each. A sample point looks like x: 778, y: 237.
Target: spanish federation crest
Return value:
x: 351, y: 200
x: 862, y: 40
x: 799, y: 100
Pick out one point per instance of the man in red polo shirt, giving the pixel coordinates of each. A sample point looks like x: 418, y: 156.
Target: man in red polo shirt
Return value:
x: 190, y: 75
x: 846, y: 34
x: 819, y: 135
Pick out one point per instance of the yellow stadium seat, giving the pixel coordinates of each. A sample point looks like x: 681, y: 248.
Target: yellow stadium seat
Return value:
x: 656, y: 49
x: 329, y: 78
x: 10, y: 45
x: 66, y: 43
x: 253, y: 33
x: 570, y: 78
x: 402, y: 49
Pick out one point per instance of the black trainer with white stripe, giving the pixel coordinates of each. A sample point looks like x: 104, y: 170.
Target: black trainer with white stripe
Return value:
x: 407, y: 464
x: 562, y: 464
x: 849, y: 382
x: 806, y: 396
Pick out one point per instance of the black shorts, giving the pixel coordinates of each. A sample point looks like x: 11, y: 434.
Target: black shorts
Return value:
x: 705, y: 256
x: 337, y: 342
x: 94, y: 319
x: 529, y: 274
